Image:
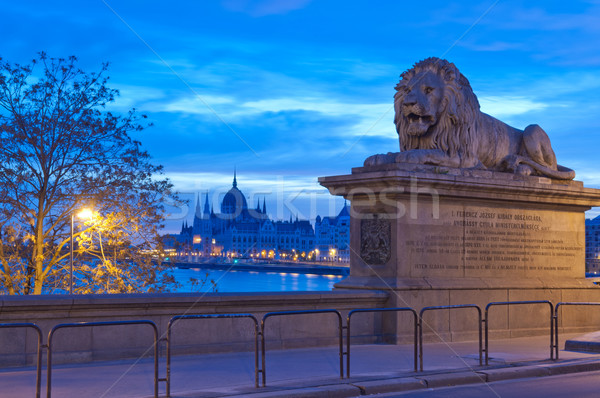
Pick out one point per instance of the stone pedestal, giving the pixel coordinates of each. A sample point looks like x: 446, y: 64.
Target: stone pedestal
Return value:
x: 444, y: 236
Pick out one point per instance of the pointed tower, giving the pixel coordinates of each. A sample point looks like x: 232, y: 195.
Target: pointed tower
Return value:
x: 264, y: 210
x: 234, y: 178
x: 206, y: 206
x: 198, y: 212
x: 197, y: 217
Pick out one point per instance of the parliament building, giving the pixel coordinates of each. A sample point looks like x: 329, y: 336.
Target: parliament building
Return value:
x: 238, y: 231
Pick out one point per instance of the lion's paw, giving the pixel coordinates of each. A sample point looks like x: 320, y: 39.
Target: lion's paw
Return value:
x: 379, y: 159
x: 510, y: 163
x: 412, y: 156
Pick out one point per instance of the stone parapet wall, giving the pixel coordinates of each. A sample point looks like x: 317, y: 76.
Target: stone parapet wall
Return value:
x: 18, y: 346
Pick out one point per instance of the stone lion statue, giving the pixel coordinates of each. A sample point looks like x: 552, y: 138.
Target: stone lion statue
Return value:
x: 439, y: 123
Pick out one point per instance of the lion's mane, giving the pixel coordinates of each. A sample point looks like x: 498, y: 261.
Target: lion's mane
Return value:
x: 453, y: 132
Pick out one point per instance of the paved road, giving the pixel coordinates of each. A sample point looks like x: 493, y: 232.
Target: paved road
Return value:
x: 578, y: 385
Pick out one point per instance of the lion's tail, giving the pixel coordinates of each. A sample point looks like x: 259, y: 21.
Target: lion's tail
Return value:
x: 562, y: 172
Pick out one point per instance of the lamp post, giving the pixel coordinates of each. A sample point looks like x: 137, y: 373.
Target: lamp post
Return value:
x: 84, y: 214
x: 71, y: 258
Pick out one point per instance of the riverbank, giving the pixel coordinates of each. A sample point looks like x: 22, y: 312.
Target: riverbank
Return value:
x: 296, y: 267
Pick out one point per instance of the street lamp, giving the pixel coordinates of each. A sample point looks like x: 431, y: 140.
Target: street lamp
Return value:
x: 85, y: 214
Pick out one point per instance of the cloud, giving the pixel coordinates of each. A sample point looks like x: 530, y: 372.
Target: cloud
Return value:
x: 314, y: 104
x: 365, y: 118
x: 195, y: 105
x: 491, y: 47
x: 525, y: 18
x: 506, y: 106
x: 588, y: 174
x: 134, y: 96
x: 261, y: 8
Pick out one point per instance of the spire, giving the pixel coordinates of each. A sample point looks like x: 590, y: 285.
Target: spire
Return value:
x: 206, y: 205
x: 345, y: 211
x: 234, y: 178
x: 198, y: 208
x: 264, y: 206
x: 296, y: 217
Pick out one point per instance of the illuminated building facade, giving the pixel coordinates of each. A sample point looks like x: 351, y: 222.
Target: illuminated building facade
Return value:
x: 239, y: 231
x: 592, y: 245
x: 333, y: 237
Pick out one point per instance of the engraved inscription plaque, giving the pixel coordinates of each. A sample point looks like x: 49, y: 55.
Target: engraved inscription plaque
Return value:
x: 375, y: 241
x: 482, y: 241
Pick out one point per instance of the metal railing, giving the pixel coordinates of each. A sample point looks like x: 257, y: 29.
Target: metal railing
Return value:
x: 446, y: 307
x: 399, y: 309
x: 304, y: 312
x: 496, y: 303
x: 93, y: 324
x: 38, y: 372
x: 210, y: 316
x: 555, y: 345
x: 260, y: 365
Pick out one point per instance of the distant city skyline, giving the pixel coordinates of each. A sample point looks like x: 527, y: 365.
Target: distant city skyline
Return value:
x: 287, y: 91
x: 281, y: 197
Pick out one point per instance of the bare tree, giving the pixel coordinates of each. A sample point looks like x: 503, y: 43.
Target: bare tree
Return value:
x: 60, y: 151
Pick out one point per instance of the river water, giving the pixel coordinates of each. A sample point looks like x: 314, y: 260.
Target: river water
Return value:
x: 254, y: 281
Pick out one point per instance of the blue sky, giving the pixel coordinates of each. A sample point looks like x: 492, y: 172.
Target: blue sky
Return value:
x: 288, y: 91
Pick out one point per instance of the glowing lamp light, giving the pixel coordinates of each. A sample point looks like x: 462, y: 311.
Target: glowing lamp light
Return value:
x: 86, y: 214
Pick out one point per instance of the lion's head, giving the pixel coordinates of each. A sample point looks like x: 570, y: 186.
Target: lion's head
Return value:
x: 435, y: 108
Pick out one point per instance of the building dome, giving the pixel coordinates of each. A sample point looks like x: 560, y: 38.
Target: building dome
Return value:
x: 234, y: 202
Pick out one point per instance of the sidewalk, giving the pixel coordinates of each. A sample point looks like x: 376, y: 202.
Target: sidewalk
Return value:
x: 310, y: 372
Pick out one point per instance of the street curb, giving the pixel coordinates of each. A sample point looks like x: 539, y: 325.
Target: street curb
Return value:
x: 390, y: 385
x: 515, y: 372
x: 348, y: 389
x: 559, y: 369
x: 338, y: 391
x: 452, y: 379
x: 583, y: 346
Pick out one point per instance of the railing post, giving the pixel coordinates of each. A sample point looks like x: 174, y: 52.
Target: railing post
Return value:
x: 556, y: 331
x: 155, y: 359
x: 487, y: 336
x: 168, y: 376
x: 348, y: 345
x: 551, y: 330
x: 256, y: 370
x: 420, y: 329
x: 479, y: 323
x: 262, y: 343
x: 341, y: 344
x: 416, y: 341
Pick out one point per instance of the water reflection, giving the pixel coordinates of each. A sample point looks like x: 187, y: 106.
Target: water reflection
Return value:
x: 253, y: 281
